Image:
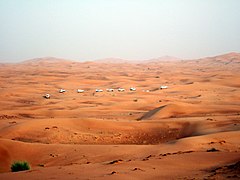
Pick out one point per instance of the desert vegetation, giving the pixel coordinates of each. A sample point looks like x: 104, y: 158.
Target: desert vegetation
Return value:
x: 20, y: 166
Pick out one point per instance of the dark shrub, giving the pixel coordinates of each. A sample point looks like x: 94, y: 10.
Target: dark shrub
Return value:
x: 20, y: 166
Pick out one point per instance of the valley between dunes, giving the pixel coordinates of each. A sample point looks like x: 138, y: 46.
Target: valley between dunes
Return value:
x: 189, y: 130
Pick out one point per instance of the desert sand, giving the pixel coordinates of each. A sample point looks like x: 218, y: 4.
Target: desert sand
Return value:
x: 191, y: 130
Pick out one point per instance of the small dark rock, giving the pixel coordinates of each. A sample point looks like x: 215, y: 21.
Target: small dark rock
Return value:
x: 212, y: 150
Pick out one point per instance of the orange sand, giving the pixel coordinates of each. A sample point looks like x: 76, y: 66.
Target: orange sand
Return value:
x: 161, y: 134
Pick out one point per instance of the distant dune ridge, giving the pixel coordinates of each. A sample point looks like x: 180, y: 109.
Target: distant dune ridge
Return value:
x: 163, y: 58
x: 46, y: 60
x: 232, y: 57
x: 111, y: 60
x: 225, y: 58
x: 150, y: 133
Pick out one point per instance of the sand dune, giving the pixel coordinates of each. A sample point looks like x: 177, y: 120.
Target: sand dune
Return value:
x: 144, y: 134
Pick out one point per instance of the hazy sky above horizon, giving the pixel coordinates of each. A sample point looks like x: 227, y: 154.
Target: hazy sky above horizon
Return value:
x: 128, y: 29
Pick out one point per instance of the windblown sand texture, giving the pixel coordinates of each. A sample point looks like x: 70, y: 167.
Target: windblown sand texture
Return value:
x: 190, y: 130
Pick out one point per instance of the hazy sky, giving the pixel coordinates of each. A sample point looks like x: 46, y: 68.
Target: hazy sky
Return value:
x: 128, y: 29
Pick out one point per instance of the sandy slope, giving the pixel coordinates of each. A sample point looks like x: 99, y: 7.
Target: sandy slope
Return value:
x: 159, y: 134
